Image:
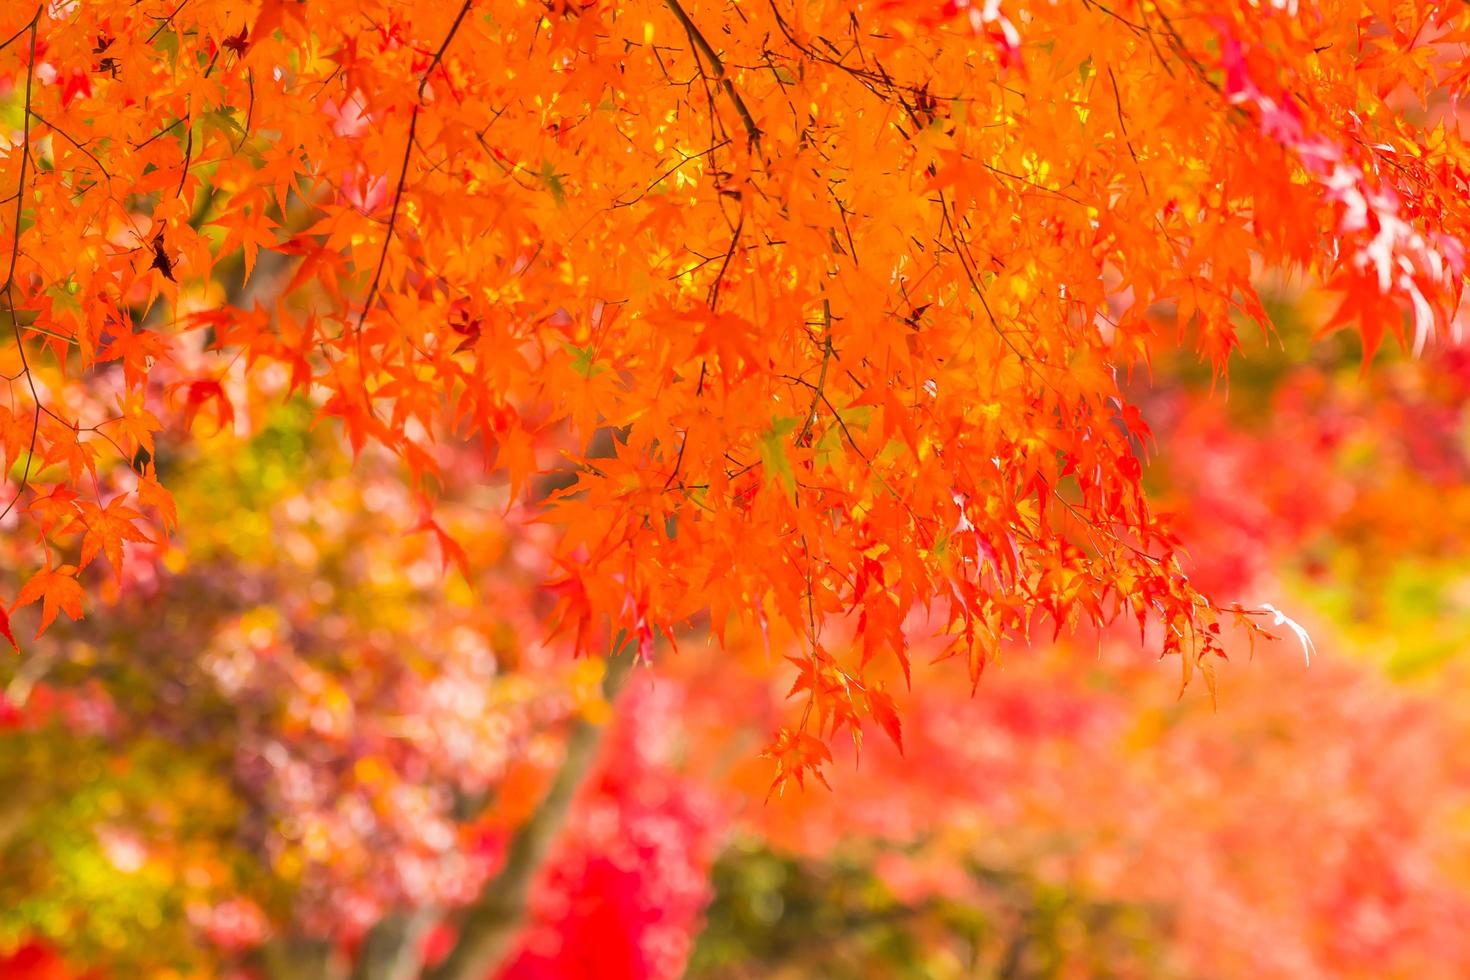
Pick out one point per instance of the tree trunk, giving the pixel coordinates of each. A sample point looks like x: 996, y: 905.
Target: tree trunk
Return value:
x: 491, y: 922
x: 392, y: 949
x: 296, y: 958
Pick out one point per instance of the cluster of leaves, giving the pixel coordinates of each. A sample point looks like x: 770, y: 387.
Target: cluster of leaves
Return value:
x: 827, y: 318
x: 1317, y: 811
x: 855, y: 287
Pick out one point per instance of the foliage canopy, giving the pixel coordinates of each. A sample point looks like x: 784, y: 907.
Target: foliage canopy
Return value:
x: 856, y: 290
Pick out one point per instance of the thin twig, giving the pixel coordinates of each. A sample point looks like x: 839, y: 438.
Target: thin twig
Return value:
x: 166, y: 21
x: 439, y: 55
x: 413, y: 124
x: 811, y: 415
x: 70, y: 139
x: 1122, y: 122
x: 25, y: 366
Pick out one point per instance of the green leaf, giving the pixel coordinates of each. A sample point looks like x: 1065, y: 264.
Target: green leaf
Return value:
x: 222, y: 119
x: 168, y: 43
x: 582, y: 361
x: 63, y: 298
x: 773, y: 454
x: 552, y: 179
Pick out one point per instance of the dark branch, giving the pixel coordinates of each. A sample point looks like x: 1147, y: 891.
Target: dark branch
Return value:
x: 25, y: 366
x: 811, y: 414
x: 751, y: 129
x: 413, y: 125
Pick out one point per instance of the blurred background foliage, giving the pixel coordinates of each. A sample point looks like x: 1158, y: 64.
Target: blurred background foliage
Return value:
x: 780, y: 916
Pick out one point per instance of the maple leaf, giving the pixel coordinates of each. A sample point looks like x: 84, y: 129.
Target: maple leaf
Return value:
x: 105, y: 529
x: 248, y: 228
x: 515, y: 452
x: 136, y: 423
x: 797, y: 755
x: 139, y: 351
x: 58, y: 591
x: 881, y: 707
x: 449, y: 549
x: 237, y: 42
x: 65, y: 445
x: 76, y: 84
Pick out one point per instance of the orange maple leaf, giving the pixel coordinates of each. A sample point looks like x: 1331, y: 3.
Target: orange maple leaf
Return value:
x: 58, y: 590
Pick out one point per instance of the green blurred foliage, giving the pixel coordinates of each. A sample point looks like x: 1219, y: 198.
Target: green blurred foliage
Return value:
x: 780, y: 916
x: 104, y: 846
x: 1413, y: 621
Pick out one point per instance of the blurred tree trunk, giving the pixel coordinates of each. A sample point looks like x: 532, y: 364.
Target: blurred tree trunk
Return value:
x: 297, y: 958
x: 489, y: 924
x: 486, y: 928
x: 393, y: 949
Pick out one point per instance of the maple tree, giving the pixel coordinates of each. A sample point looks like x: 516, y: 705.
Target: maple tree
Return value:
x: 854, y: 288
x: 820, y: 328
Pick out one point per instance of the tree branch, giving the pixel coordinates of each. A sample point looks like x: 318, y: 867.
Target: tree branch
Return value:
x: 413, y: 125
x: 811, y: 414
x: 487, y: 926
x: 9, y: 288
x: 752, y: 131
